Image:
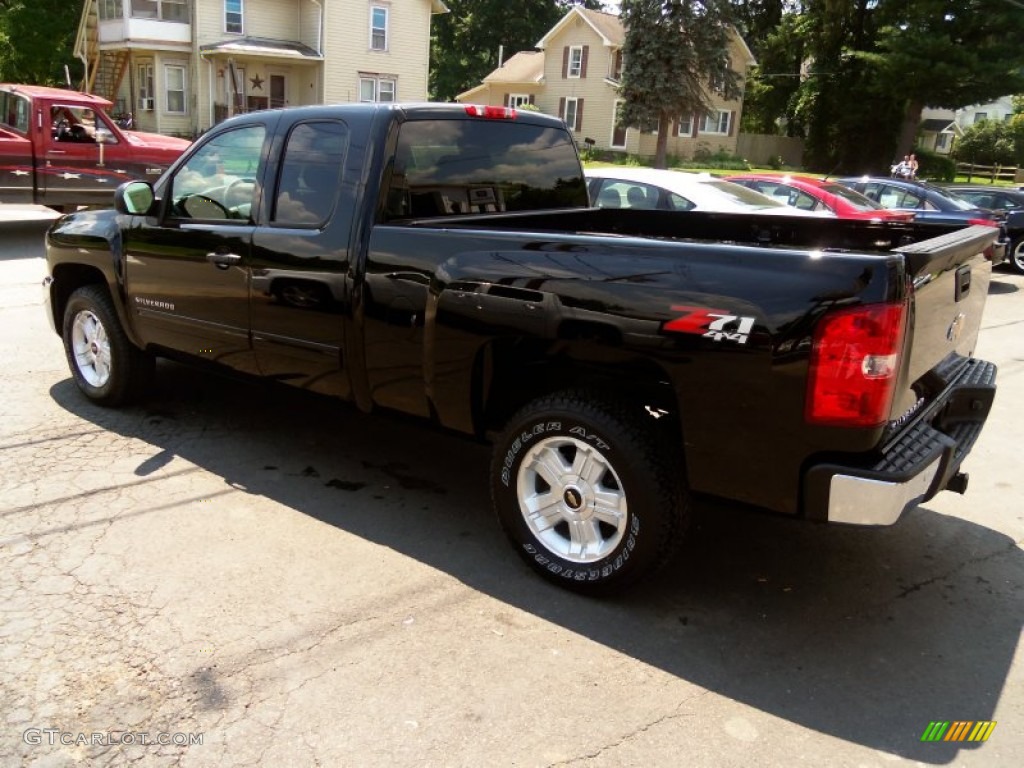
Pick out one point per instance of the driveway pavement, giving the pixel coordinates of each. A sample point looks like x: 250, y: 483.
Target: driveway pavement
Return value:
x: 257, y: 577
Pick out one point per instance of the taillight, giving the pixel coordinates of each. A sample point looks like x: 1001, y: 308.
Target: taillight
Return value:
x: 854, y: 365
x: 494, y: 113
x: 984, y: 222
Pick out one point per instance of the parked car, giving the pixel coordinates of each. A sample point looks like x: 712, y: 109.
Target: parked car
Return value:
x: 655, y: 189
x: 810, y: 194
x: 1010, y: 201
x: 928, y: 201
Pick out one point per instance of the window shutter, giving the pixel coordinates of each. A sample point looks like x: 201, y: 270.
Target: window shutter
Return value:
x: 565, y: 62
x: 732, y: 123
x: 579, y: 114
x: 532, y: 99
x: 561, y: 107
x: 583, y: 61
x: 508, y: 99
x: 675, y: 127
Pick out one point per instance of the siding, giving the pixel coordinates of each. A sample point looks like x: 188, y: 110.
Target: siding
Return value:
x: 347, y: 48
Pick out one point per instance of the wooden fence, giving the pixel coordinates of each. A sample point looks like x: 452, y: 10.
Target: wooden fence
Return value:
x: 991, y: 172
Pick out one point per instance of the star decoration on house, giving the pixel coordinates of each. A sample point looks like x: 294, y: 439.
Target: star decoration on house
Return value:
x: 257, y: 82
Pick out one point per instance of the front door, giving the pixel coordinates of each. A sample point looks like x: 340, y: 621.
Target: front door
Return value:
x: 189, y: 268
x: 83, y: 160
x: 278, y: 91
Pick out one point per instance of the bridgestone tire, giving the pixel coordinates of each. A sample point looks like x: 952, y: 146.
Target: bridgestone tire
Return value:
x: 590, y: 493
x: 105, y: 365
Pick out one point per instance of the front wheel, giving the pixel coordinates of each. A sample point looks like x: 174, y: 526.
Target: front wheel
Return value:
x: 1016, y: 260
x: 106, y: 366
x: 588, y: 491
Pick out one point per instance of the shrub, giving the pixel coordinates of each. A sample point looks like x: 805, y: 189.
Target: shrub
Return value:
x: 931, y: 165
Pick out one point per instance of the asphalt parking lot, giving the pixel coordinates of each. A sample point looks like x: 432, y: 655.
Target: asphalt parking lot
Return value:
x: 258, y: 577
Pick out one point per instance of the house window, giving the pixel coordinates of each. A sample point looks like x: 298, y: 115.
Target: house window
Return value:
x: 378, y: 28
x: 233, y: 16
x: 145, y: 9
x: 942, y: 142
x: 174, y: 10
x: 373, y: 89
x: 716, y: 122
x: 144, y: 81
x: 572, y: 113
x: 166, y: 10
x: 615, y: 65
x: 979, y: 116
x: 575, y: 61
x: 685, y: 126
x: 518, y: 100
x: 174, y: 83
x: 111, y: 9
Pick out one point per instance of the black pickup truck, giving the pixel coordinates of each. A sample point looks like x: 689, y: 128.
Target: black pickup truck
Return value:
x: 443, y: 261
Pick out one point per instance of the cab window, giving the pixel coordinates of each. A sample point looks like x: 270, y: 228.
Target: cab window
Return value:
x: 218, y: 182
x: 310, y: 175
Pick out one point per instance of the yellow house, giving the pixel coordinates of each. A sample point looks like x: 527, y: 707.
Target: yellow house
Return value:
x: 179, y: 66
x: 575, y: 74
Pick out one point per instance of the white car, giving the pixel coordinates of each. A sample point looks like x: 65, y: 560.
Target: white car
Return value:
x: 654, y: 189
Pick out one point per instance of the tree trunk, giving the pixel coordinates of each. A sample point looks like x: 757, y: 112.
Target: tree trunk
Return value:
x: 664, y: 124
x: 908, y: 131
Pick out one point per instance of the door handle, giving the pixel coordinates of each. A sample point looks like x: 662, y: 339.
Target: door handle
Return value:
x: 223, y: 260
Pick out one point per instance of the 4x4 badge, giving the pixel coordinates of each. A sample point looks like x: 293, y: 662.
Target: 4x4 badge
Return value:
x: 714, y: 324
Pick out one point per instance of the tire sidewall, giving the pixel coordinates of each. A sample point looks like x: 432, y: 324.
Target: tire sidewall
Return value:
x: 633, y: 553
x: 79, y: 302
x: 1016, y: 259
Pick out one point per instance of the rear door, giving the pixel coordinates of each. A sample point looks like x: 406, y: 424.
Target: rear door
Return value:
x: 300, y: 264
x: 189, y: 269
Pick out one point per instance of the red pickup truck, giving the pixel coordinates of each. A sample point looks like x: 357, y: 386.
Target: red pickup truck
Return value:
x: 61, y: 148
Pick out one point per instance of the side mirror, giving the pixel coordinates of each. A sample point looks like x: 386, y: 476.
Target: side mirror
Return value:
x: 103, y: 136
x: 135, y: 198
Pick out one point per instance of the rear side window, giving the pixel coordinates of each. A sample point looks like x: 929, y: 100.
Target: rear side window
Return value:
x: 310, y: 174
x: 459, y: 167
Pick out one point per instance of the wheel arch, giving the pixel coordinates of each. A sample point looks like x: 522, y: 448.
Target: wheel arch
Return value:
x: 509, y: 373
x: 68, y: 277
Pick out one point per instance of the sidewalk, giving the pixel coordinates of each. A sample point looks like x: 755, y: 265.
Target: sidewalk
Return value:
x: 16, y: 212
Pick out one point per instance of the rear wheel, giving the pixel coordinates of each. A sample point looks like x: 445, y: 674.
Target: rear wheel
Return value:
x: 106, y: 366
x: 588, y: 491
x: 1016, y: 259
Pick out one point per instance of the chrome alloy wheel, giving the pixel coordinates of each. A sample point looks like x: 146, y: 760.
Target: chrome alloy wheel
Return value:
x: 91, y: 348
x: 572, y: 499
x: 1017, y: 256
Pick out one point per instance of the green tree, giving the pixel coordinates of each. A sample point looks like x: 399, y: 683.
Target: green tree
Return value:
x: 675, y: 53
x: 988, y: 142
x: 36, y: 41
x: 465, y: 41
x: 948, y: 53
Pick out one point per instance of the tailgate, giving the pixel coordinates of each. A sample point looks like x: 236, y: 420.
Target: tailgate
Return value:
x: 949, y: 277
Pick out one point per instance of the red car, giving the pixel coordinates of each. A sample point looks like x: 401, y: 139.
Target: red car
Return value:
x: 810, y: 194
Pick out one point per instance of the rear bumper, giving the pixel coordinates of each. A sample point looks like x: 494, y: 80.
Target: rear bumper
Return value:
x: 915, y: 464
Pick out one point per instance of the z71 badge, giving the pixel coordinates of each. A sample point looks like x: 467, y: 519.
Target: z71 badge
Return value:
x: 714, y: 324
